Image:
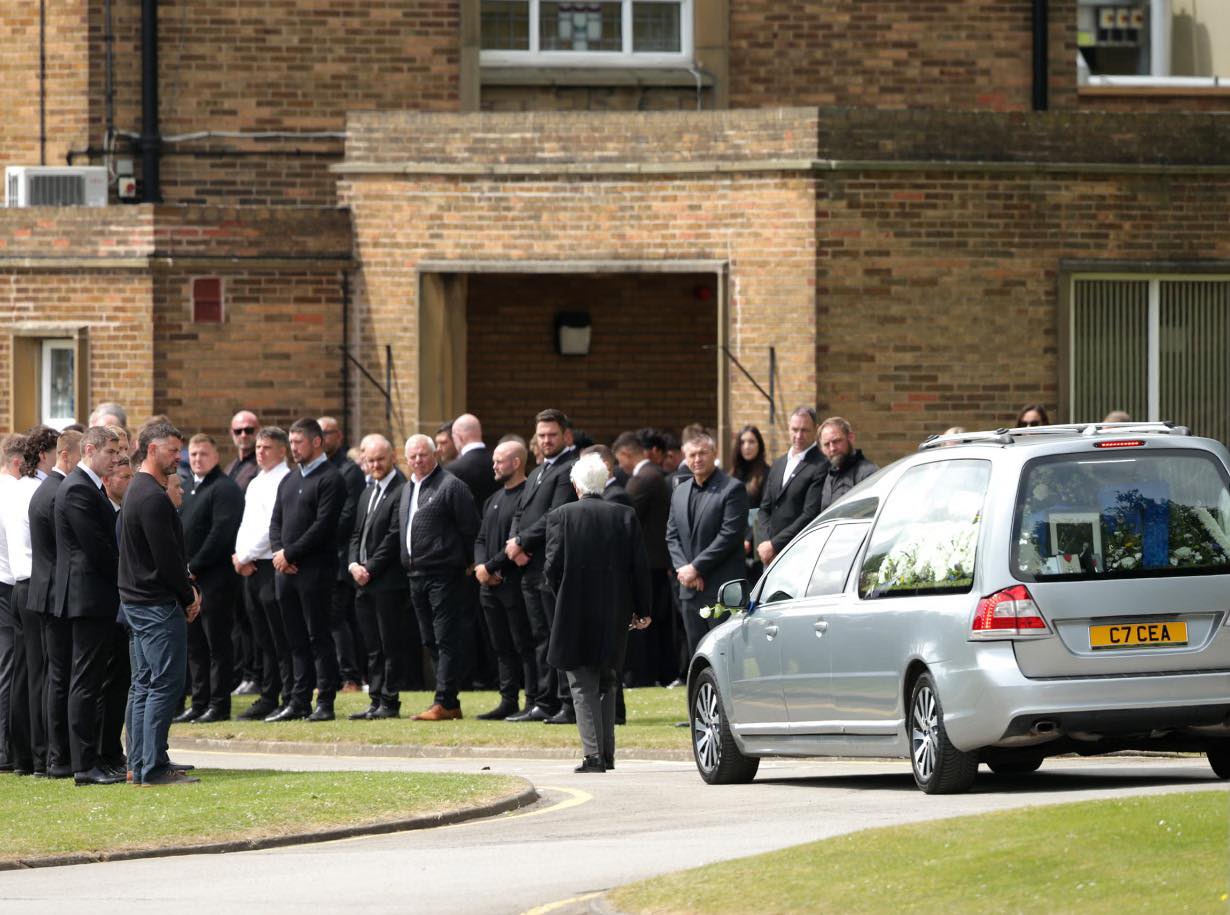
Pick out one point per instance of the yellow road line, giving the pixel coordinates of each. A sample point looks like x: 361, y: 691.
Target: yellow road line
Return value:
x: 555, y: 906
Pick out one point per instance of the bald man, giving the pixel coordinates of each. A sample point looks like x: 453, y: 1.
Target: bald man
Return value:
x: 246, y: 647
x: 473, y: 462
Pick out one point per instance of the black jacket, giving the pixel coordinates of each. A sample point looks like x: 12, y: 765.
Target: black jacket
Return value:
x: 210, y: 516
x: 596, y: 566
x: 651, y: 497
x: 382, y: 552
x: 547, y: 488
x: 494, y: 525
x: 153, y: 559
x: 43, y: 543
x: 87, y: 554
x: 712, y: 541
x: 354, y: 482
x: 839, y: 482
x: 305, y: 518
x: 613, y: 492
x: 474, y: 469
x: 787, y: 508
x: 443, y: 528
x: 244, y: 470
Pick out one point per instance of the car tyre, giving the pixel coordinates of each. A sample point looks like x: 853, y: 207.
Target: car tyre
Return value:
x: 1219, y: 759
x: 713, y: 745
x: 1015, y: 763
x: 939, y: 767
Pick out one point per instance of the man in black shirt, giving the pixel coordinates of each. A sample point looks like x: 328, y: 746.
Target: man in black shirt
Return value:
x: 249, y: 660
x: 499, y: 579
x: 157, y: 601
x: 303, y: 537
x: 343, y: 624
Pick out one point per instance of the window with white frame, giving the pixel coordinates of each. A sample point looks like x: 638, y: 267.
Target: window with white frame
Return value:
x: 598, y: 33
x: 1180, y: 44
x: 1157, y: 347
x: 58, y: 383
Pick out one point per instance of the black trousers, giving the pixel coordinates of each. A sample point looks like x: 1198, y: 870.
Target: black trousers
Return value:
x: 305, y: 600
x: 343, y: 625
x: 14, y: 688
x: 59, y: 644
x: 382, y: 617
x: 92, y: 639
x: 269, y: 635
x: 248, y: 663
x: 694, y: 628
x: 482, y: 669
x: 511, y: 639
x: 211, y: 646
x: 440, y: 603
x: 552, y: 689
x: 651, y: 657
x: 113, y: 702
x: 33, y: 626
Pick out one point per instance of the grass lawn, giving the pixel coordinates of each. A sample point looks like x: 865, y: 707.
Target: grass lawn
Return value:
x: 1151, y: 854
x: 53, y: 817
x: 652, y: 713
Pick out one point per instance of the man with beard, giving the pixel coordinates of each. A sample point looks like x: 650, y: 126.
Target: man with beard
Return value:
x: 847, y: 466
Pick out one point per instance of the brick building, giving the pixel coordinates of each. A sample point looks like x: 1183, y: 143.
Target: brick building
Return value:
x: 916, y: 215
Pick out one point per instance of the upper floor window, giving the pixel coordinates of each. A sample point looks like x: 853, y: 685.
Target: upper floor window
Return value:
x: 603, y: 33
x: 1176, y: 44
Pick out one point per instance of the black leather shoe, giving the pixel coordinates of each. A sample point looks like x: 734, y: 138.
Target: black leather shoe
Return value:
x: 97, y: 776
x: 387, y: 711
x: 500, y: 712
x: 60, y: 772
x: 322, y: 713
x: 257, y: 711
x: 288, y: 713
x: 609, y: 762
x: 366, y: 715
x: 182, y: 767
x: 533, y: 713
x: 566, y: 715
x: 211, y: 715
x: 190, y: 714
x: 591, y: 764
x: 39, y: 773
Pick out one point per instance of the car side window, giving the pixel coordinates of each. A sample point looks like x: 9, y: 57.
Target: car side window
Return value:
x: 829, y: 576
x: 788, y: 577
x: 925, y: 538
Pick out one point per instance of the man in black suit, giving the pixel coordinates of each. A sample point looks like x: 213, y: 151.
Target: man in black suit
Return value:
x: 546, y: 489
x: 243, y: 469
x: 51, y: 694
x: 303, y: 537
x: 85, y: 594
x: 793, y: 488
x: 704, y: 533
x: 342, y: 622
x: 651, y: 654
x: 437, y: 524
x: 382, y: 595
x: 596, y: 566
x: 499, y: 579
x: 213, y: 508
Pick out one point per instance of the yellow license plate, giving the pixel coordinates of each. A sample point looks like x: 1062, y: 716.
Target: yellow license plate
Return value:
x: 1138, y: 635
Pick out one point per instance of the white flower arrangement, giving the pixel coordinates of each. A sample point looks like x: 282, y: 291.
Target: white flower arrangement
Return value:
x: 936, y: 555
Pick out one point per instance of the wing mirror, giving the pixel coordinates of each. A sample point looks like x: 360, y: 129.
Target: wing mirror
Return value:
x: 734, y: 594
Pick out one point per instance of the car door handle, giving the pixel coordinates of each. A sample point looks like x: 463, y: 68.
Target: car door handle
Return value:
x: 821, y: 627
x: 770, y: 632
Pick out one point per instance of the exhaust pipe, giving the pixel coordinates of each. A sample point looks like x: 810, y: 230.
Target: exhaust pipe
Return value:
x: 1044, y: 728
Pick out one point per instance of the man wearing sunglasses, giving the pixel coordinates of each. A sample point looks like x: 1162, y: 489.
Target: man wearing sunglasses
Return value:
x: 243, y: 433
x: 249, y: 668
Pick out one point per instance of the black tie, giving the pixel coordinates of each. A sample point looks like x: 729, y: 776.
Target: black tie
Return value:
x: 367, y: 522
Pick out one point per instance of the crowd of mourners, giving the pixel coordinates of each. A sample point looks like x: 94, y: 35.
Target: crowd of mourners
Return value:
x: 142, y: 583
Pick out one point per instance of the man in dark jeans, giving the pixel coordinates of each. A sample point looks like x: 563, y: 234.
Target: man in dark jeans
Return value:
x: 437, y: 524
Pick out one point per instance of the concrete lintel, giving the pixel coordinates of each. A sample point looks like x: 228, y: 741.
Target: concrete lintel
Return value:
x: 664, y: 77
x: 577, y: 266
x: 572, y: 169
x: 1023, y: 167
x: 35, y: 262
x: 1119, y: 269
x: 323, y: 264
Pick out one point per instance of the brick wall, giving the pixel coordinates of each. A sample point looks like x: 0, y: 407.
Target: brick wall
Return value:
x: 646, y: 365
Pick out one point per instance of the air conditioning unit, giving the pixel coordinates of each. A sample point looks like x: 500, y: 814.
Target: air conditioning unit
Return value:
x: 55, y: 186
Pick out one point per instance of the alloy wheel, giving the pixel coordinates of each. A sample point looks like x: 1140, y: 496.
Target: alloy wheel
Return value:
x: 923, y: 723
x: 706, y: 727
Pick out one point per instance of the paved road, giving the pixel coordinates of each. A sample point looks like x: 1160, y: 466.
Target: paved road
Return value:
x: 588, y: 833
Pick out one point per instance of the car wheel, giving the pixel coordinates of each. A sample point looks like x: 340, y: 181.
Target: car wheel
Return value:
x: 1015, y: 763
x: 1219, y: 759
x: 939, y: 767
x: 717, y: 757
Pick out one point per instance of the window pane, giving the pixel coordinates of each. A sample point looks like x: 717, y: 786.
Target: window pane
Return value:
x: 506, y: 25
x: 655, y: 27
x: 580, y: 27
x: 1195, y: 356
x: 788, y: 577
x: 1163, y: 512
x: 59, y: 384
x: 833, y: 568
x: 1110, y: 348
x: 927, y: 534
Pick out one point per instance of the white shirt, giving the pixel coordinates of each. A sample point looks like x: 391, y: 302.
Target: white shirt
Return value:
x: 15, y: 516
x: 7, y: 486
x: 91, y: 474
x: 792, y: 464
x: 414, y: 506
x: 465, y: 449
x: 252, y: 541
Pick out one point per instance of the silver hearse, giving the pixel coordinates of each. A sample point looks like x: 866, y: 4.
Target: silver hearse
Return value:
x: 997, y: 597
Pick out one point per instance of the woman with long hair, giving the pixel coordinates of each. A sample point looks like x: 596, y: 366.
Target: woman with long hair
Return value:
x: 748, y: 464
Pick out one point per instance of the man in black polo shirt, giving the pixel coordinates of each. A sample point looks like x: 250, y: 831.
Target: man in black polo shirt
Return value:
x: 157, y: 602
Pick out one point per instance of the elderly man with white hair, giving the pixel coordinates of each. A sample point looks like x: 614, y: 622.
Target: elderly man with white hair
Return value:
x: 597, y: 567
x: 437, y: 523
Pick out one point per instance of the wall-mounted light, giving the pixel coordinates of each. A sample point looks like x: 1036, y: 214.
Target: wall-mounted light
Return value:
x: 572, y: 333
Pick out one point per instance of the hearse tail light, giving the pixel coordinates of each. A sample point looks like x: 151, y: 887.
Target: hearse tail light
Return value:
x: 1120, y: 443
x: 1010, y: 613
